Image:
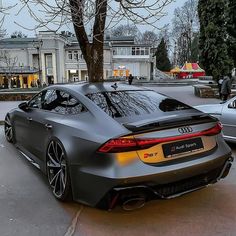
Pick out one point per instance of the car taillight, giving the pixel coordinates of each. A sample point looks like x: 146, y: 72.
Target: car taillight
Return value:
x: 131, y: 144
x: 119, y: 145
x: 212, y: 131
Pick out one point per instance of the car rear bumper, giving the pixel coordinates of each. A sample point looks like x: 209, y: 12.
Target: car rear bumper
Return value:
x: 92, y: 185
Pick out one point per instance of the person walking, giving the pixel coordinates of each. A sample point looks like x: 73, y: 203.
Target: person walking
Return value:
x: 225, y: 88
x: 130, y: 79
x: 220, y: 81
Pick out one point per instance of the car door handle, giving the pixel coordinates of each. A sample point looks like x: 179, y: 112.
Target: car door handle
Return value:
x: 29, y: 119
x: 48, y: 126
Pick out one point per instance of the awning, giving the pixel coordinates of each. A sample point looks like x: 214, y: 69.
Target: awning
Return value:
x: 191, y: 67
x: 175, y: 70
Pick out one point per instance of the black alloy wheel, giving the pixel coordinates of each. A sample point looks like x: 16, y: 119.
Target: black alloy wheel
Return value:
x: 9, y: 130
x: 57, y: 171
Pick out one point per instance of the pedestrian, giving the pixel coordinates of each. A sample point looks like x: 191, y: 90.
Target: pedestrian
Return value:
x: 38, y: 83
x: 225, y: 88
x: 220, y: 81
x: 130, y: 79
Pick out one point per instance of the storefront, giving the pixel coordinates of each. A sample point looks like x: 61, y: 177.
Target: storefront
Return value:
x: 18, y: 78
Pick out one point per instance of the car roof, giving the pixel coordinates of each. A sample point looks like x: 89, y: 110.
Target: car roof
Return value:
x: 88, y: 88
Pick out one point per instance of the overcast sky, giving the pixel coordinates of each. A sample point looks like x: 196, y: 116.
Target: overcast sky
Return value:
x: 24, y: 19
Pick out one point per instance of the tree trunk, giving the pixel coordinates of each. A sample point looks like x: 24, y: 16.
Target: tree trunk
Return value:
x: 92, y: 51
x: 95, y: 63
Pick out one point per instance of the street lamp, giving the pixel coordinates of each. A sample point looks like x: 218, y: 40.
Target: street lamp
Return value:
x: 38, y: 45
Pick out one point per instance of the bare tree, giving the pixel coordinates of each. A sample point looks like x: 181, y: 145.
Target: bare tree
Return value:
x: 97, y: 15
x: 150, y: 38
x: 165, y: 34
x: 8, y: 63
x: 124, y: 30
x: 185, y: 24
x: 67, y: 34
x: 18, y: 34
x: 3, y: 14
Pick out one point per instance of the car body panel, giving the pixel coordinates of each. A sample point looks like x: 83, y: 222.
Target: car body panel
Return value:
x: 93, y: 173
x: 108, y: 178
x: 226, y: 113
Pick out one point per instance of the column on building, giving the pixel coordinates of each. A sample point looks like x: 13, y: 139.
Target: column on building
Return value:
x: 54, y: 66
x: 43, y: 68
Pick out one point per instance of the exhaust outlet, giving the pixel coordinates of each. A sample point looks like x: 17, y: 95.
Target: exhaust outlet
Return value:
x: 133, y: 203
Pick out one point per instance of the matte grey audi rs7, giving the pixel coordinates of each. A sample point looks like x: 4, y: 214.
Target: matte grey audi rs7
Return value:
x: 104, y: 144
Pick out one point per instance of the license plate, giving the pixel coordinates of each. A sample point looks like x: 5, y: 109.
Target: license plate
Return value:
x: 176, y: 149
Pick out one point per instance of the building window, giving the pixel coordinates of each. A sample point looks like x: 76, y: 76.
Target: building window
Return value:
x: 133, y: 51
x: 137, y: 51
x: 76, y: 55
x: 48, y: 60
x: 70, y: 55
x: 142, y: 51
x: 49, y: 66
x: 127, y: 51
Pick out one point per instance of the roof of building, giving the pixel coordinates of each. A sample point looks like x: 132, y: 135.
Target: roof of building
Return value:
x: 191, y: 67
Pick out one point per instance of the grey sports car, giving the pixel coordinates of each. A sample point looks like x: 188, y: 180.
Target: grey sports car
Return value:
x: 105, y: 144
x: 226, y: 113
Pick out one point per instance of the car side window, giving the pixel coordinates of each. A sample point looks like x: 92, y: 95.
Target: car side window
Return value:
x: 232, y: 105
x: 37, y: 101
x: 55, y: 101
x: 74, y: 106
x: 62, y: 102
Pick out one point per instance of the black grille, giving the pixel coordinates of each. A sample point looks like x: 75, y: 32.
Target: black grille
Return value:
x: 187, y: 184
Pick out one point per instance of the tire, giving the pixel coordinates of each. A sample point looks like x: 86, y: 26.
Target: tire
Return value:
x: 8, y: 129
x: 58, y: 171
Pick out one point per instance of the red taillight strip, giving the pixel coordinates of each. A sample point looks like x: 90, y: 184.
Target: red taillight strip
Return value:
x: 130, y: 144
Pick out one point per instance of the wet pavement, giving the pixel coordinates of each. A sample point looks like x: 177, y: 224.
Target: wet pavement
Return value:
x: 27, y: 207
x: 6, y: 106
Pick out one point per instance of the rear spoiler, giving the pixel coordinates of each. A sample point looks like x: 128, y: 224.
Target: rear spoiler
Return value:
x: 172, y: 120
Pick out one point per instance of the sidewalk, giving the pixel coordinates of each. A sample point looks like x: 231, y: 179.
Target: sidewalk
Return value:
x: 184, y: 94
x: 5, y: 107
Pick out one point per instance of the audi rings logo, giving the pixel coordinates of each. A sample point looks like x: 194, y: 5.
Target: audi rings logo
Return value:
x: 185, y: 130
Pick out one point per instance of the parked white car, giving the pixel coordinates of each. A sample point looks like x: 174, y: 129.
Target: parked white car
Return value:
x: 226, y: 113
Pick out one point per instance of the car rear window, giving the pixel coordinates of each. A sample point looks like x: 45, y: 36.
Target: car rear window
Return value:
x: 134, y: 102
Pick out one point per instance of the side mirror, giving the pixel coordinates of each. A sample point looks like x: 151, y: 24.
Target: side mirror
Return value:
x: 232, y: 104
x: 24, y: 106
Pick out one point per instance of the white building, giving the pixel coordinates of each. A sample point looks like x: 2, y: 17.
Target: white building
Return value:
x: 134, y: 57
x: 52, y: 58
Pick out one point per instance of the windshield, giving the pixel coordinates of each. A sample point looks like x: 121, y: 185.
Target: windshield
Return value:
x: 135, y: 102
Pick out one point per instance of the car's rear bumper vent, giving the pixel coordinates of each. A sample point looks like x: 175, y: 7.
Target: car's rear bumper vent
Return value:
x: 180, y: 187
x: 148, y: 191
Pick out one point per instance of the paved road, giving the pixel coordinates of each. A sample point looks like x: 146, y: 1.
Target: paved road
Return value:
x: 184, y: 94
x: 27, y: 207
x: 6, y: 106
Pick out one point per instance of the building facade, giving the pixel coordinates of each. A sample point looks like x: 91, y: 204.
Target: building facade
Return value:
x: 52, y: 58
